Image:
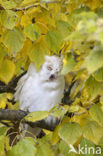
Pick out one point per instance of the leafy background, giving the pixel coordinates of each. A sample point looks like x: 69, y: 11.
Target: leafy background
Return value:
x: 31, y: 29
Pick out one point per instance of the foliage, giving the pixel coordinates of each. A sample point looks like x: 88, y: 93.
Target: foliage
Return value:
x: 31, y: 29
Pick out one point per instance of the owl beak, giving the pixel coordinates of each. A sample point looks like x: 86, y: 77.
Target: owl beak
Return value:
x: 52, y: 77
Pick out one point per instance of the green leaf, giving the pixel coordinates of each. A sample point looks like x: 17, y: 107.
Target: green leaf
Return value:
x: 70, y: 133
x: 3, y: 130
x: 93, y: 87
x: 32, y: 31
x: 44, y: 148
x: 53, y: 40
x: 64, y: 149
x: 24, y: 147
x: 101, y: 99
x: 8, y: 4
x: 99, y: 75
x: 74, y: 108
x: 37, y: 53
x: 100, y: 37
x: 35, y: 116
x: 96, y: 114
x: 85, y: 144
x: 13, y: 40
x: 101, y: 142
x: 8, y: 18
x: 4, y: 145
x: 87, y: 26
x: 63, y: 28
x: 1, y: 54
x: 69, y: 64
x: 76, y: 37
x: 7, y: 71
x: 93, y: 132
x: 94, y: 61
x: 59, y: 111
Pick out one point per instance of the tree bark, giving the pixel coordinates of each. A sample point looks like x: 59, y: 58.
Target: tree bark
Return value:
x: 18, y: 115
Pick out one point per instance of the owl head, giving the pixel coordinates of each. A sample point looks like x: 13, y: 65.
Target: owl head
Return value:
x: 51, y: 69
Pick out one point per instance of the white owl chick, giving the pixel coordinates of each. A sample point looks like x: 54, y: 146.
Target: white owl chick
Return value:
x: 42, y: 90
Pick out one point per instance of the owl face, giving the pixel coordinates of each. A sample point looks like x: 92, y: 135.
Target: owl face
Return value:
x: 51, y: 68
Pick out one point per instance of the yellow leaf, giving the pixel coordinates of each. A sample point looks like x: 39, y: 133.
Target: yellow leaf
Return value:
x: 26, y: 2
x: 33, y: 10
x: 8, y: 4
x: 26, y: 47
x: 36, y: 116
x: 101, y: 99
x: 74, y: 108
x: 81, y: 119
x: 93, y: 4
x: 7, y: 71
x: 44, y: 20
x: 68, y: 64
x: 2, y: 103
x: 93, y: 87
x: 25, y: 20
x: 3, y: 145
x: 1, y: 54
x: 93, y: 132
x: 55, y: 137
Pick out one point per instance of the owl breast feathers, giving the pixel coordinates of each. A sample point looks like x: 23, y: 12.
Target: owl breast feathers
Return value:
x: 42, y: 90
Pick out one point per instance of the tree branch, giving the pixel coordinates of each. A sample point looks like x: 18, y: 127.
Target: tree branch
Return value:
x: 12, y: 115
x: 10, y: 88
x: 18, y: 115
x: 66, y: 99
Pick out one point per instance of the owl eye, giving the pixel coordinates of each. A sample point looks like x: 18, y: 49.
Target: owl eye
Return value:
x: 49, y: 68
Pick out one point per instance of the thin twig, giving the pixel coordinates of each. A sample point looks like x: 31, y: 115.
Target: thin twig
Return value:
x: 34, y: 5
x: 87, y: 108
x: 26, y: 8
x: 78, y: 114
x: 50, y: 2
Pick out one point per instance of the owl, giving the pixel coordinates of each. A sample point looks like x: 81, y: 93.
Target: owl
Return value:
x: 41, y: 90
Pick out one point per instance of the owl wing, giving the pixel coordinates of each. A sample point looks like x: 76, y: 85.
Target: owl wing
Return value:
x: 19, y: 86
x: 31, y: 72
